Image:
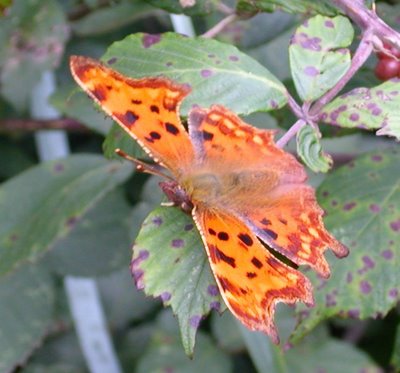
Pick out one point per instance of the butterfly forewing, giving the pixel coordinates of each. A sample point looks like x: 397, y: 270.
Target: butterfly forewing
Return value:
x: 250, y: 278
x: 148, y: 109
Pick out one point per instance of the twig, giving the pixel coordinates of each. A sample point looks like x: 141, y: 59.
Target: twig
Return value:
x: 294, y: 106
x: 31, y: 125
x: 220, y: 26
x: 291, y: 132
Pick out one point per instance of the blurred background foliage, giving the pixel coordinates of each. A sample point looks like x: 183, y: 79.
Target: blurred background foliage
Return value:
x: 80, y: 215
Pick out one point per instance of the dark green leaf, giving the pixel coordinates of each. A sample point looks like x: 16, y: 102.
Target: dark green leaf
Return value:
x: 32, y: 38
x: 165, y: 352
x: 362, y: 202
x: 319, y: 56
x: 266, y: 356
x: 188, y: 7
x: 123, y: 303
x: 291, y: 6
x: 367, y: 108
x: 99, y: 244
x: 321, y: 353
x: 48, y: 201
x: 169, y: 262
x: 395, y: 359
x: 110, y: 18
x: 310, y: 151
x: 226, y: 332
x: 26, y: 308
x: 218, y: 73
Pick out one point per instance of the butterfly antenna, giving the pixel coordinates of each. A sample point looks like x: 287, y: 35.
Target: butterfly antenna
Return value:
x: 142, y: 166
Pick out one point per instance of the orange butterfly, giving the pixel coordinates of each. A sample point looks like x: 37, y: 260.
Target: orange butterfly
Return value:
x: 242, y: 190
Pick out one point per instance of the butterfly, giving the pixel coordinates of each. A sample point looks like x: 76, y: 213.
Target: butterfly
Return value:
x: 247, y: 197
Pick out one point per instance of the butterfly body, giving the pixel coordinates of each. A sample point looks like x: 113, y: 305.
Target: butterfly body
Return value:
x: 243, y: 192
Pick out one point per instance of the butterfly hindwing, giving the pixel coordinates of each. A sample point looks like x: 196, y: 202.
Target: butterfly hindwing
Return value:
x: 148, y: 109
x: 250, y: 278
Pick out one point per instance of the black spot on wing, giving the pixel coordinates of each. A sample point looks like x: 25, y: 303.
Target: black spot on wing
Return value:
x: 154, y: 109
x: 131, y: 117
x: 171, y: 128
x: 223, y: 236
x: 256, y: 262
x: 246, y: 239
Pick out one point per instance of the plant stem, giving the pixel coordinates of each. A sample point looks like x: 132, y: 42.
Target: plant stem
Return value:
x: 220, y: 26
x: 292, y: 131
x: 294, y: 106
x: 362, y: 53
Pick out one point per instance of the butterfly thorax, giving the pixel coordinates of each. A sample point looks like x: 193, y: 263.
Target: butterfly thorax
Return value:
x: 230, y: 188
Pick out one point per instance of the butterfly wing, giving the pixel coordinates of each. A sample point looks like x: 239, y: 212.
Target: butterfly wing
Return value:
x: 147, y: 109
x: 249, y: 277
x: 265, y: 186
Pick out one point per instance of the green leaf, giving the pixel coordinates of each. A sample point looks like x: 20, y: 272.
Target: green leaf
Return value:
x: 118, y: 138
x: 318, y: 55
x: 395, y: 359
x: 26, y: 310
x: 164, y: 353
x: 218, y: 73
x: 169, y: 262
x: 123, y: 303
x: 362, y: 203
x: 226, y: 332
x: 322, y: 353
x: 47, y: 201
x: 310, y: 150
x: 99, y: 243
x: 308, y: 7
x: 74, y: 103
x: 188, y: 7
x: 111, y: 18
x: 266, y: 356
x: 32, y: 38
x: 367, y: 108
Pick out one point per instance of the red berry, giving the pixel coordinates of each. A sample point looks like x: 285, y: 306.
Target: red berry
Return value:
x: 390, y: 50
x: 387, y: 68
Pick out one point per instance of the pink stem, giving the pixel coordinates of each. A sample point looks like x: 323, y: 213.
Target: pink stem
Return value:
x: 219, y: 26
x: 291, y: 132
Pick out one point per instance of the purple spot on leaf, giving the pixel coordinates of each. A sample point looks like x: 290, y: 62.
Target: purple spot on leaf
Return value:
x: 58, y: 167
x: 205, y: 73
x: 213, y: 290
x: 330, y: 300
x: 354, y: 314
x: 349, y: 206
x: 148, y: 40
x: 376, y: 158
x: 177, y: 243
x: 215, y: 306
x: 393, y: 293
x: 138, y: 278
x: 395, y: 225
x: 143, y: 255
x: 376, y: 111
x: 334, y: 202
x: 273, y: 104
x: 112, y: 60
x: 71, y: 221
x: 374, y: 208
x: 194, y: 321
x: 387, y: 254
x: 166, y: 296
x: 157, y: 221
x: 311, y: 71
x: 354, y: 117
x: 188, y: 227
x: 168, y: 64
x: 349, y: 277
x: 234, y: 58
x: 329, y: 24
x: 365, y: 287
x: 211, y: 55
x: 368, y: 262
x: 325, y: 193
